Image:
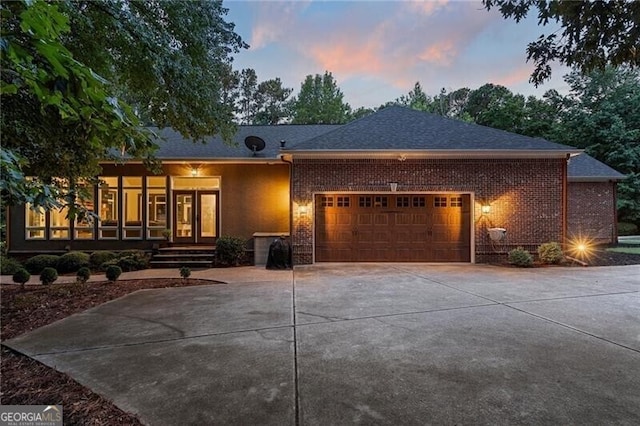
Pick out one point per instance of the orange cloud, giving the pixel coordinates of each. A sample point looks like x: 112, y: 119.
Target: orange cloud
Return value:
x: 517, y: 76
x: 441, y: 53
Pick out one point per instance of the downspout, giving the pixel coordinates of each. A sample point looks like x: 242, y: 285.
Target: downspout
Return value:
x: 614, y: 184
x: 565, y: 202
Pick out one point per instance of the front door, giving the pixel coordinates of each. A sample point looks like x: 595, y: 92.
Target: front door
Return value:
x: 195, y: 217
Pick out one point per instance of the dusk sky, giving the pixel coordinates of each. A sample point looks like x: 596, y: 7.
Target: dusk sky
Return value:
x: 377, y: 50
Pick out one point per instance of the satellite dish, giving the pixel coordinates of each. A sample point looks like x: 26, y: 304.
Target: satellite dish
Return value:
x: 254, y: 143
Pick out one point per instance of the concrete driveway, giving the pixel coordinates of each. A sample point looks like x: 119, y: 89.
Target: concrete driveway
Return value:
x: 384, y: 344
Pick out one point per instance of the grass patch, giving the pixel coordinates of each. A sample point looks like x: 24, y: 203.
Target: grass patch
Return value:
x: 629, y: 250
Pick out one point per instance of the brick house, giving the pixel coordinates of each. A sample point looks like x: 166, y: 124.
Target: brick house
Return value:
x: 398, y: 185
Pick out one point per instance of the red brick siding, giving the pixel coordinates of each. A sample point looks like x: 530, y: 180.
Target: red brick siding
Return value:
x: 525, y: 195
x: 592, y: 211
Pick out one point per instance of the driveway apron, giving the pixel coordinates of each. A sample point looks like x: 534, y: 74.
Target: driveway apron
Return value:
x: 380, y: 344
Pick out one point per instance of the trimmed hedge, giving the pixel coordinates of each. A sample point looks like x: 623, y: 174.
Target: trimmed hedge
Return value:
x: 550, y: 253
x: 36, y: 264
x: 9, y: 266
x: 626, y: 228
x: 21, y: 276
x: 48, y: 276
x: 113, y: 272
x: 83, y: 274
x: 72, y: 261
x: 229, y: 250
x: 520, y: 257
x: 98, y: 257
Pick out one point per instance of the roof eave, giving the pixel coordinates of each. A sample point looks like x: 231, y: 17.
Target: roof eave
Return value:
x: 403, y: 154
x: 596, y: 178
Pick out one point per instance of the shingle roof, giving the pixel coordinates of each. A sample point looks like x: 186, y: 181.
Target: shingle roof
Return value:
x: 586, y: 168
x: 401, y: 128
x: 174, y: 146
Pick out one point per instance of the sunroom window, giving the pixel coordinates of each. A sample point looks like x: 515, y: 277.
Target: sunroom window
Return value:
x: 35, y: 223
x: 59, y: 229
x: 156, y: 206
x: 108, y: 207
x: 132, y: 207
x: 84, y: 228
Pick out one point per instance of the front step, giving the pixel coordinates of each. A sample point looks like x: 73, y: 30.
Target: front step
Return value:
x: 177, y: 257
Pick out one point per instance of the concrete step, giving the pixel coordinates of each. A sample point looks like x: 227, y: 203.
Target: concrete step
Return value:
x: 167, y: 264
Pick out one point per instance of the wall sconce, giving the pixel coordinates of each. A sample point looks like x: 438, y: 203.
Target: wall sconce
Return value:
x: 393, y: 186
x: 303, y: 210
x: 486, y: 208
x: 194, y: 172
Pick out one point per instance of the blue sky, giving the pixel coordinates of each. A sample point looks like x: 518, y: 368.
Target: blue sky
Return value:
x: 377, y: 50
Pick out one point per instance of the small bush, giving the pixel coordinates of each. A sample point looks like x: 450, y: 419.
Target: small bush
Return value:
x: 625, y: 228
x: 21, y: 276
x: 9, y: 266
x: 83, y: 274
x: 98, y: 257
x: 229, y: 250
x: 130, y: 253
x: 550, y: 253
x: 72, y: 261
x: 520, y: 257
x: 185, y: 272
x: 48, y: 276
x: 113, y: 272
x: 36, y: 264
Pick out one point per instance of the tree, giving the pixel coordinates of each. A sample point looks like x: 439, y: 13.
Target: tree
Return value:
x: 320, y: 101
x: 360, y: 113
x: 593, y: 33
x: 248, y: 95
x: 273, y: 105
x: 496, y: 106
x: 415, y: 99
x: 602, y: 117
x: 168, y: 58
x: 55, y: 111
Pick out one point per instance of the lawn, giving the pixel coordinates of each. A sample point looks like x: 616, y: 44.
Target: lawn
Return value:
x: 623, y: 249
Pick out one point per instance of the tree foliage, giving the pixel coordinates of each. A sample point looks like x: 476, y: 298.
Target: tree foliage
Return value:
x: 320, y: 101
x: 593, y: 34
x: 166, y: 58
x: 272, y: 102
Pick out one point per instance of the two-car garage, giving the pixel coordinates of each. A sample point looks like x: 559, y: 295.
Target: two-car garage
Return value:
x: 393, y: 227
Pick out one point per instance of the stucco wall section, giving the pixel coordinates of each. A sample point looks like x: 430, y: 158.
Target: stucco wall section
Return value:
x: 526, y: 196
x: 592, y: 211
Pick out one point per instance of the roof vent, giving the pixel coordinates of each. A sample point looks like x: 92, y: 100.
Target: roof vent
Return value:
x: 282, y: 143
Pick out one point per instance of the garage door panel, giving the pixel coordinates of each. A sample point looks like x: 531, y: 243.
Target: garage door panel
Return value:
x: 387, y: 228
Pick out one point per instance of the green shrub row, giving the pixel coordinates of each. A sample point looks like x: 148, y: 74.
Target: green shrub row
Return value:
x: 74, y: 261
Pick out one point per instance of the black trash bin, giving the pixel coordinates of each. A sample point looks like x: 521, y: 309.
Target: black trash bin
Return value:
x: 279, y: 254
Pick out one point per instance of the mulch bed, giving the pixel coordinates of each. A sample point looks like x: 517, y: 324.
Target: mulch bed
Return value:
x: 25, y: 381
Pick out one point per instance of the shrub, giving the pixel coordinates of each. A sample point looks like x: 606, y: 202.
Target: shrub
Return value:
x: 98, y: 257
x: 134, y: 262
x: 113, y: 272
x: 229, y: 250
x: 36, y: 264
x: 83, y: 274
x: 625, y: 228
x: 9, y: 266
x: 550, y: 253
x: 21, y: 276
x: 48, y: 275
x: 185, y: 272
x: 520, y: 257
x: 130, y: 253
x: 72, y: 261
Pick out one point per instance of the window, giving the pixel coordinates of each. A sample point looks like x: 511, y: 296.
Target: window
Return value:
x: 456, y: 201
x: 156, y: 206
x: 35, y: 223
x: 402, y: 202
x: 343, y: 201
x: 108, y: 208
x: 380, y: 201
x: 440, y: 202
x: 84, y: 229
x: 327, y: 201
x: 364, y: 202
x: 132, y: 207
x: 59, y: 229
x: 419, y: 202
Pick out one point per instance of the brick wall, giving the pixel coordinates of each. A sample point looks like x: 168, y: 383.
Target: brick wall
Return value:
x: 592, y: 211
x: 525, y: 196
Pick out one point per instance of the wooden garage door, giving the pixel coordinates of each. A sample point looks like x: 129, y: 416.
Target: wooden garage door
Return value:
x: 393, y: 228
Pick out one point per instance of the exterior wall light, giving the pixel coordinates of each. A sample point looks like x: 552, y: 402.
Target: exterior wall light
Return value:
x: 194, y: 172
x: 303, y: 210
x: 486, y: 208
x: 393, y: 186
